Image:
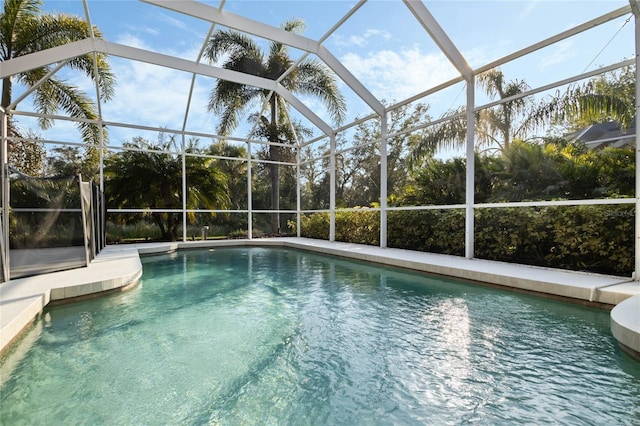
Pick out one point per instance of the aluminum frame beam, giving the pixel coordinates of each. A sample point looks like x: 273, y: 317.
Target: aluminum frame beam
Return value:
x: 87, y: 46
x: 636, y: 270
x: 556, y: 38
x: 46, y: 57
x: 440, y: 37
x: 257, y: 28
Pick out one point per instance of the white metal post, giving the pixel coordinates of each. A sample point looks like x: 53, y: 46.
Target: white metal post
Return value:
x: 83, y: 214
x: 332, y: 187
x: 4, y: 171
x: 93, y: 209
x: 184, y: 190
x: 470, y: 177
x: 249, y: 190
x: 298, y: 204
x: 383, y: 180
x: 636, y: 13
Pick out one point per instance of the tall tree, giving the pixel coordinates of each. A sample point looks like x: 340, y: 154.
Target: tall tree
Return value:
x: 508, y: 120
x: 28, y: 156
x: 232, y: 100
x: 25, y: 29
x: 146, y: 176
x: 235, y: 170
x: 495, y: 127
x: 608, y: 97
x: 358, y: 170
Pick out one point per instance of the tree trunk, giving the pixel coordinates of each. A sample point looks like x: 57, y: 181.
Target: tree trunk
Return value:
x: 6, y: 92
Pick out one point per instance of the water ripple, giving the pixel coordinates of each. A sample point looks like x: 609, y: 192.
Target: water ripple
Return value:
x: 262, y: 336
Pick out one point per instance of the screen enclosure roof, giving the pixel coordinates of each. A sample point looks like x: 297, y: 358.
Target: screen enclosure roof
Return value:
x: 384, y: 54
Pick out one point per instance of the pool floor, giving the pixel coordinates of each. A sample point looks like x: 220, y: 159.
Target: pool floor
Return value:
x: 277, y: 336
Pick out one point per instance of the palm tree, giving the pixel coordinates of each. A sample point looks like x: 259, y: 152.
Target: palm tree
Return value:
x: 608, y: 97
x: 507, y: 120
x: 232, y: 100
x: 145, y: 176
x: 495, y: 127
x: 25, y: 29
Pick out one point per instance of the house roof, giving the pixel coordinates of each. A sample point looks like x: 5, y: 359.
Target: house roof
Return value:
x: 610, y: 133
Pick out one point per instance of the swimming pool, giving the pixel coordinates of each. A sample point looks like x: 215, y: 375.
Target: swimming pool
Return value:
x: 273, y: 336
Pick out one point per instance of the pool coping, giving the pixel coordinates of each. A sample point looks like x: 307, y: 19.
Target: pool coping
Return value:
x: 118, y: 267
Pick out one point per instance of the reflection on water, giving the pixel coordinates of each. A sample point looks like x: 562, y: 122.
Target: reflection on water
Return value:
x: 246, y: 335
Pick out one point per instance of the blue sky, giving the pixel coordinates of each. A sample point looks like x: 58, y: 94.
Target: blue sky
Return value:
x: 382, y: 45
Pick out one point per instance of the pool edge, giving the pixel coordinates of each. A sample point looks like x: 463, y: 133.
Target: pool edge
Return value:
x: 23, y: 300
x: 625, y: 325
x: 119, y: 268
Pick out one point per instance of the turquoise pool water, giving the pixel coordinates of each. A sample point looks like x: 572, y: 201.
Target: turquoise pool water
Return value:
x: 269, y: 336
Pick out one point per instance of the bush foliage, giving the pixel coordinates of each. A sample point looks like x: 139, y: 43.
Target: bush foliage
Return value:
x: 595, y: 238
x: 590, y: 238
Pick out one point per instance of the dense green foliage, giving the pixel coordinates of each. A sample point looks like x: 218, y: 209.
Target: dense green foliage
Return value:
x: 152, y: 179
x: 593, y: 238
x: 24, y: 29
x: 526, y: 172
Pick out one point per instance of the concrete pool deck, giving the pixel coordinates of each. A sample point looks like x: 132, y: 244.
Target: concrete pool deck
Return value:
x: 118, y: 267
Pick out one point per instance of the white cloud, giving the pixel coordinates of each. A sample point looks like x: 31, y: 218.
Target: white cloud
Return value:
x: 149, y: 95
x: 176, y: 23
x: 143, y: 29
x: 531, y: 5
x: 360, y: 40
x: 396, y: 75
x: 131, y: 40
x: 561, y: 52
x: 154, y: 96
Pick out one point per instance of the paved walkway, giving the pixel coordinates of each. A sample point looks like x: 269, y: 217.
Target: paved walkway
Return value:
x: 22, y: 299
x: 118, y: 267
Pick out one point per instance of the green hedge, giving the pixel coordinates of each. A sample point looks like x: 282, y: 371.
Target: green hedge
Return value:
x: 582, y: 238
x: 434, y: 231
x: 361, y: 226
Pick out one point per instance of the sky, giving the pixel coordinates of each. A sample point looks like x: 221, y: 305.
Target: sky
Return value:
x: 381, y: 44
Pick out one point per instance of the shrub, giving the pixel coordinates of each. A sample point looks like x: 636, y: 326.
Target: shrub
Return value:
x: 360, y: 227
x: 314, y: 225
x: 434, y: 231
x: 590, y: 238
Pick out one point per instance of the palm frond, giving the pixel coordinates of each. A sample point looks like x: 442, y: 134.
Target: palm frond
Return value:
x: 314, y: 78
x: 448, y: 134
x: 47, y: 31
x: 231, y: 43
x: 24, y: 30
x: 54, y: 94
x: 580, y: 102
x: 292, y: 25
x: 490, y: 81
x: 230, y: 100
x: 13, y: 13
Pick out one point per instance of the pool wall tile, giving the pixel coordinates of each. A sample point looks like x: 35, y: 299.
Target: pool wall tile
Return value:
x: 24, y: 299
x: 57, y: 293
x: 624, y: 321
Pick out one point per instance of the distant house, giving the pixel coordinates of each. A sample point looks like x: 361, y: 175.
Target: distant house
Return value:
x: 598, y: 136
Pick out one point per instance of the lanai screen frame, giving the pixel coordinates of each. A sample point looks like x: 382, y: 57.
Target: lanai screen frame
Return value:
x: 215, y: 16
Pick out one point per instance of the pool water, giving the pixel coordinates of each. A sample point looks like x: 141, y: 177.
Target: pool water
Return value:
x: 239, y: 336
